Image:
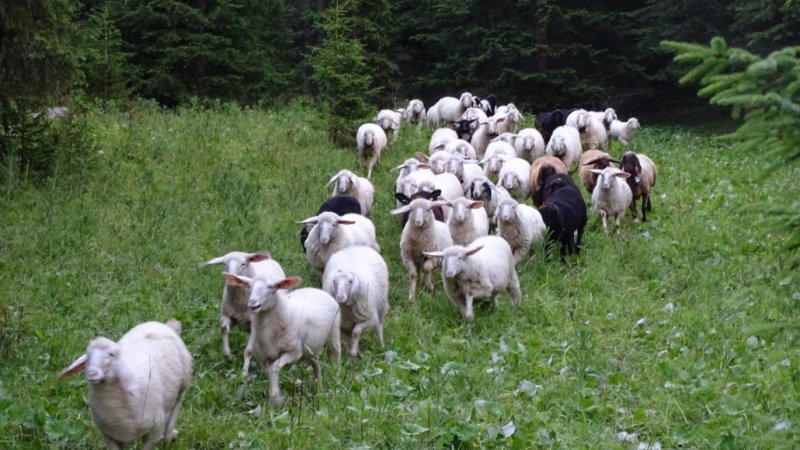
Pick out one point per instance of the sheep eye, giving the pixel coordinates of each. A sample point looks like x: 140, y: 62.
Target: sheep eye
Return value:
x: 112, y: 354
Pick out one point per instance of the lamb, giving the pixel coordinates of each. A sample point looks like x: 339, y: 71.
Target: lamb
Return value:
x: 481, y: 188
x: 497, y: 153
x: 389, y: 121
x: 448, y: 110
x: 440, y: 138
x: 606, y: 117
x: 340, y: 204
x: 611, y: 197
x: 563, y: 212
x: 290, y: 326
x: 347, y: 183
x: 643, y: 177
x: 541, y: 169
x: 370, y: 141
x: 565, y: 144
x: 486, y: 131
x: 520, y: 225
x: 332, y: 233
x: 593, y: 159
x: 461, y: 147
x: 358, y: 279
x: 422, y: 233
x: 415, y: 112
x: 137, y: 385
x: 233, y: 308
x: 529, y: 144
x: 515, y: 176
x: 623, y: 131
x: 468, y: 220
x: 479, y: 271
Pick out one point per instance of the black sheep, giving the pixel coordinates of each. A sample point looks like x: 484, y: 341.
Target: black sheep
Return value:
x: 340, y: 204
x: 563, y: 212
x: 548, y: 121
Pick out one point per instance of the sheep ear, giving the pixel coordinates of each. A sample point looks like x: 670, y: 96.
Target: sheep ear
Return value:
x: 592, y: 162
x: 434, y: 254
x: 422, y: 156
x: 238, y: 281
x: 332, y: 180
x: 436, y: 193
x: 310, y: 220
x: 211, y: 262
x: 597, y: 171
x: 476, y: 204
x: 424, y: 166
x: 474, y: 250
x: 400, y: 210
x: 76, y: 366
x: 289, y: 283
x: 258, y: 257
x: 398, y: 168
x: 622, y: 174
x: 345, y: 222
x: 441, y: 202
x: 402, y: 198
x: 500, y: 119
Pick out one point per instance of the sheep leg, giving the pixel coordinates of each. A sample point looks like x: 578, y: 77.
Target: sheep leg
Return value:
x: 645, y: 206
x: 273, y: 371
x: 248, y: 352
x: 225, y: 326
x: 355, y: 336
x: 149, y: 441
x: 619, y: 217
x: 468, y: 314
x: 412, y: 276
x: 603, y: 216
x: 427, y: 267
x: 111, y: 444
x: 578, y: 241
x: 633, y: 209
x: 335, y: 345
x: 171, y: 433
x: 514, y: 290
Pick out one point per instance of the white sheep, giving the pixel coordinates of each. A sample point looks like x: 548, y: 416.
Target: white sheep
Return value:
x: 594, y: 136
x: 465, y: 170
x: 332, y: 233
x: 611, y: 195
x: 468, y: 220
x: 411, y: 183
x: 480, y: 271
x: 439, y: 160
x: 606, y: 117
x: 233, y: 308
x: 481, y: 188
x: 346, y: 182
x: 415, y: 112
x: 520, y: 225
x: 461, y: 147
x: 370, y: 141
x: 440, y: 138
x: 137, y: 385
x: 389, y: 121
x: 624, y: 131
x: 290, y: 326
x: 422, y: 233
x: 448, y: 184
x: 529, y: 144
x: 565, y: 144
x: 511, y: 115
x: 358, y: 279
x: 577, y: 119
x: 484, y: 134
x: 497, y: 153
x: 448, y: 109
x: 515, y: 176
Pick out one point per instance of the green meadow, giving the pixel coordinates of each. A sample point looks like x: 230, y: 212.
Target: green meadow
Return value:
x: 662, y: 336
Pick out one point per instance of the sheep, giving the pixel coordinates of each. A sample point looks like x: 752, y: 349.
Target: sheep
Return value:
x: 611, y: 197
x: 541, y: 169
x: 358, y: 279
x: 402, y: 199
x: 422, y: 233
x: 512, y: 116
x: 467, y: 221
x: 565, y: 144
x: 415, y: 112
x: 346, y: 182
x: 461, y: 147
x: 606, y: 117
x: 340, y: 204
x: 515, y: 176
x: 593, y: 159
x: 643, y: 177
x: 370, y: 141
x: 440, y: 138
x: 233, y: 307
x: 578, y: 119
x: 448, y: 184
x: 550, y: 120
x: 563, y: 212
x: 481, y: 188
x: 136, y: 385
x: 472, y: 117
x: 290, y: 326
x: 520, y: 225
x: 448, y: 109
x: 412, y: 183
x: 464, y: 170
x: 497, y: 153
x: 623, y: 131
x: 489, y: 104
x: 479, y: 271
x: 594, y: 136
x: 389, y: 121
x: 438, y: 160
x: 529, y: 144
x: 332, y: 233
x: 463, y: 128
x: 483, y: 135
x: 409, y: 166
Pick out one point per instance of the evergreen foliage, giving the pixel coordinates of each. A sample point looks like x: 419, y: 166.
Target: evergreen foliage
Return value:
x: 765, y: 93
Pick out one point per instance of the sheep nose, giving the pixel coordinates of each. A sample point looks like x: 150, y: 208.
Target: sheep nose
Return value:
x: 93, y: 374
x: 253, y: 303
x: 450, y: 273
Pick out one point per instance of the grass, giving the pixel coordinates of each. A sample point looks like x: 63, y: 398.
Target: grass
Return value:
x: 645, y: 338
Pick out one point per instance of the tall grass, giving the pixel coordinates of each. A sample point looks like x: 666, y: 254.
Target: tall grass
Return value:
x: 642, y: 339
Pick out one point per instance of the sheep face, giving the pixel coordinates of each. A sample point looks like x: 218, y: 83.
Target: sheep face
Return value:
x: 467, y: 100
x: 607, y: 176
x: 262, y: 292
x: 327, y: 223
x: 582, y: 121
x: 609, y: 116
x: 510, y: 181
x: 453, y: 258
x: 480, y: 188
x: 461, y: 207
x: 101, y: 358
x: 439, y: 161
x: 557, y: 147
x: 631, y: 164
x: 369, y: 136
x: 633, y: 124
x: 345, y: 287
x: 420, y: 212
x: 236, y: 262
x: 507, y: 210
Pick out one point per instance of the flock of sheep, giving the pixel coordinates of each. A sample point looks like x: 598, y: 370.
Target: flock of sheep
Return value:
x: 475, y: 178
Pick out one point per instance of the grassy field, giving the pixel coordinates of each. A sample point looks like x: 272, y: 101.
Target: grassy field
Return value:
x: 646, y: 338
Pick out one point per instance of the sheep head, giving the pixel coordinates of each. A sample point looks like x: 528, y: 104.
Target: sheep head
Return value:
x: 262, y: 291
x: 345, y: 287
x: 453, y: 258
